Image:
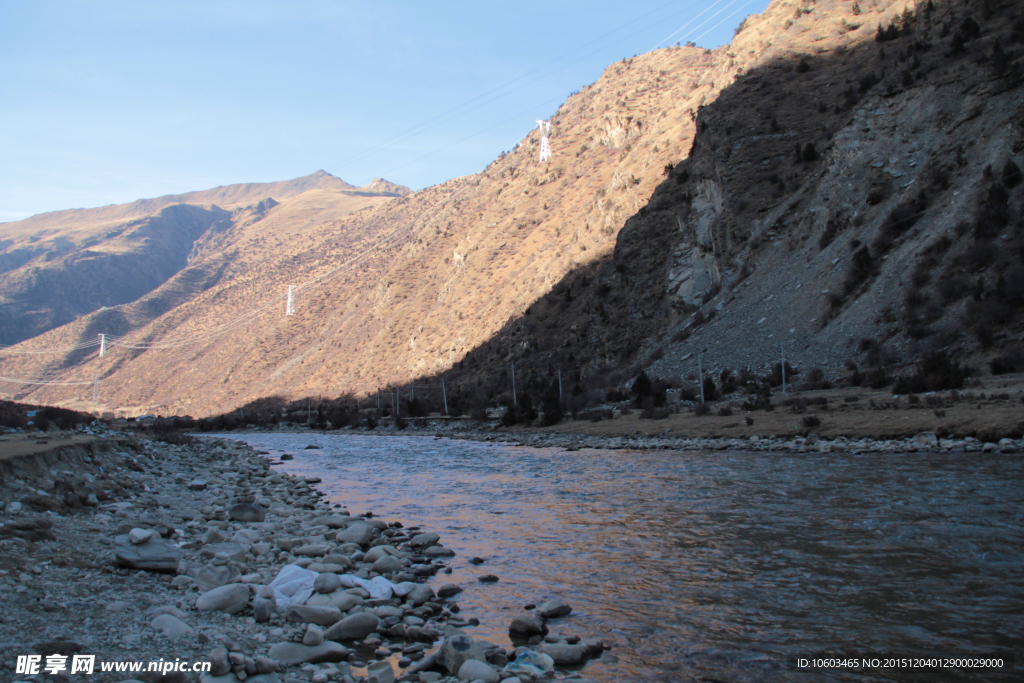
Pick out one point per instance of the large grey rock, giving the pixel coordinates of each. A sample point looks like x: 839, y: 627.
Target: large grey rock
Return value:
x: 231, y: 599
x: 423, y: 540
x: 554, y: 608
x: 154, y: 555
x: 527, y: 625
x: 420, y: 594
x: 475, y: 670
x: 171, y: 626
x: 436, y: 551
x: 247, y: 512
x: 327, y: 583
x: 448, y: 590
x: 359, y: 533
x: 379, y: 551
x: 211, y: 577
x: 387, y: 564
x: 564, y: 654
x: 309, y: 614
x: 353, y: 628
x: 297, y: 653
x: 456, y: 650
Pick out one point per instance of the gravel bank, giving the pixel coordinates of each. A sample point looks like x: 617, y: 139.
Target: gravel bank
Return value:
x: 137, y: 550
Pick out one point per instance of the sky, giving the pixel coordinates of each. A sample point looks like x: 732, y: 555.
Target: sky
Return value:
x: 108, y: 102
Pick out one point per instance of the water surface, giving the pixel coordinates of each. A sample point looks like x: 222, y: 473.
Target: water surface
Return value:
x: 709, y: 566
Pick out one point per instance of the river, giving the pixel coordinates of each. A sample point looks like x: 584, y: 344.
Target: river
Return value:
x: 709, y: 566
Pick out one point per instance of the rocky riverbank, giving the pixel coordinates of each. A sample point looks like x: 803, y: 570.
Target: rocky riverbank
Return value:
x: 133, y: 550
x: 927, y: 442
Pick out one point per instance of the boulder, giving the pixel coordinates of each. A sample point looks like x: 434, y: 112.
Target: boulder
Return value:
x: 297, y: 653
x: 475, y: 670
x: 353, y: 628
x: 380, y: 672
x: 436, y: 551
x: 456, y: 650
x: 154, y: 555
x: 379, y: 551
x: 308, y: 614
x: 314, y: 635
x: 553, y: 608
x: 387, y: 564
x: 420, y: 594
x: 359, y: 533
x: 448, y: 590
x: 247, y: 512
x: 231, y: 599
x: 564, y: 654
x: 424, y: 540
x: 526, y: 626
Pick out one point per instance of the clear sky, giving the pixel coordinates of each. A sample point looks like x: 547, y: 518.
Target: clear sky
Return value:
x: 107, y: 102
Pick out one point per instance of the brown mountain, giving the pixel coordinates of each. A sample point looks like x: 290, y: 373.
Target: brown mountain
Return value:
x: 839, y: 180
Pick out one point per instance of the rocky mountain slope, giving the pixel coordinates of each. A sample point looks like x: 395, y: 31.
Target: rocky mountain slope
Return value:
x: 843, y: 179
x: 58, y: 266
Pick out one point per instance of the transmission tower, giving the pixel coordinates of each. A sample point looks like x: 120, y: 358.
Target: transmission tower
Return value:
x: 545, y: 146
x: 289, y: 308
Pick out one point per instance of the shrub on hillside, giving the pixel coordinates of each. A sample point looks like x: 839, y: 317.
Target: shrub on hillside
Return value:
x: 936, y: 372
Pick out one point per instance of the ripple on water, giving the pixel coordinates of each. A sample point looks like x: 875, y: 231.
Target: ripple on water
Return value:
x: 710, y: 565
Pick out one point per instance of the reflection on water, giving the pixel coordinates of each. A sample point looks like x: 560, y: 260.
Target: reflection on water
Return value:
x: 709, y: 566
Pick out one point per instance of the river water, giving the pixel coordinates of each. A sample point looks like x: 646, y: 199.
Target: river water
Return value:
x: 710, y: 566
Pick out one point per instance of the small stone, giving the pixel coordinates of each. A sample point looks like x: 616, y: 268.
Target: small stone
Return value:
x: 420, y: 594
x: 326, y: 583
x: 219, y: 664
x: 359, y: 533
x: 197, y: 485
x: 314, y: 635
x: 211, y: 577
x: 424, y: 540
x: 139, y: 536
x: 436, y: 551
x: 488, y: 578
x: 564, y: 654
x: 172, y: 627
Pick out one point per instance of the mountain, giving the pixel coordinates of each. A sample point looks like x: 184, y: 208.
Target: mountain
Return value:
x: 56, y: 267
x: 840, y: 184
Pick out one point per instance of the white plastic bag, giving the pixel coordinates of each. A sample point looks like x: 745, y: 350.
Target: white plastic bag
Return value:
x: 292, y: 586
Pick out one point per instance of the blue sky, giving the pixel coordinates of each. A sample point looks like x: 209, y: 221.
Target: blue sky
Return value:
x: 107, y: 102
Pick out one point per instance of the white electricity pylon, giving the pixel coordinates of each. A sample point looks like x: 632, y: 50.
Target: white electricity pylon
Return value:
x: 545, y: 146
x: 289, y: 308
x: 103, y: 344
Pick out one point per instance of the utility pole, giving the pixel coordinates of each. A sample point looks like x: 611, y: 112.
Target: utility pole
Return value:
x: 103, y: 344
x: 783, y: 349
x: 289, y: 308
x: 444, y: 394
x: 545, y: 146
x: 700, y: 378
x: 398, y: 411
x: 515, y: 401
